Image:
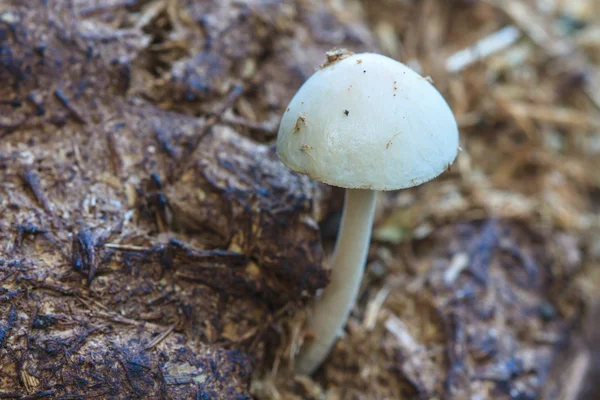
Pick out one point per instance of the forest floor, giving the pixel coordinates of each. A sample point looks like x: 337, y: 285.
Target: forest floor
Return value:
x: 153, y: 246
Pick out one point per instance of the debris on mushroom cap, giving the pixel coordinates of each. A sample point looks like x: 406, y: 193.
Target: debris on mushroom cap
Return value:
x: 336, y: 55
x: 301, y: 120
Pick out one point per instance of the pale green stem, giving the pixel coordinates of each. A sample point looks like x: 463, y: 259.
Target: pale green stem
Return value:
x: 347, y: 266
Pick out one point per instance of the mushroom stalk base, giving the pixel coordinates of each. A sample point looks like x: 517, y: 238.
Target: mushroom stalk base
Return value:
x: 347, y: 266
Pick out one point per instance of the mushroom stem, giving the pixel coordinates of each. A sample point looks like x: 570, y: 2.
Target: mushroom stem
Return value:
x: 347, y: 266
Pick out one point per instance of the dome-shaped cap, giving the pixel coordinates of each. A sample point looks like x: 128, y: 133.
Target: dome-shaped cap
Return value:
x: 368, y: 122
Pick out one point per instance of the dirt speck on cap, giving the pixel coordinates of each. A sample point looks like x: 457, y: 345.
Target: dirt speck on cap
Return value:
x: 301, y: 120
x: 305, y: 148
x: 389, y: 143
x: 334, y: 56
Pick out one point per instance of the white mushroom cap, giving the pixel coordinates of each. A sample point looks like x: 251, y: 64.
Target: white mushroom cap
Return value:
x: 368, y: 122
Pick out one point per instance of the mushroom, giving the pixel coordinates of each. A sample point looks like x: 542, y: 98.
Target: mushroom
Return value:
x: 367, y: 123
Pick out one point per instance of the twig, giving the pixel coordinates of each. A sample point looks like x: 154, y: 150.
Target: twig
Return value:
x: 32, y: 180
x: 115, y: 155
x: 374, y: 307
x: 161, y: 337
x: 120, y: 319
x: 104, y: 7
x: 553, y: 115
x: 459, y: 262
x: 485, y: 47
x: 70, y: 107
x: 126, y: 247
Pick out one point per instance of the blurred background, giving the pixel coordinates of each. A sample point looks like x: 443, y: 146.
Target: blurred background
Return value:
x: 520, y: 210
